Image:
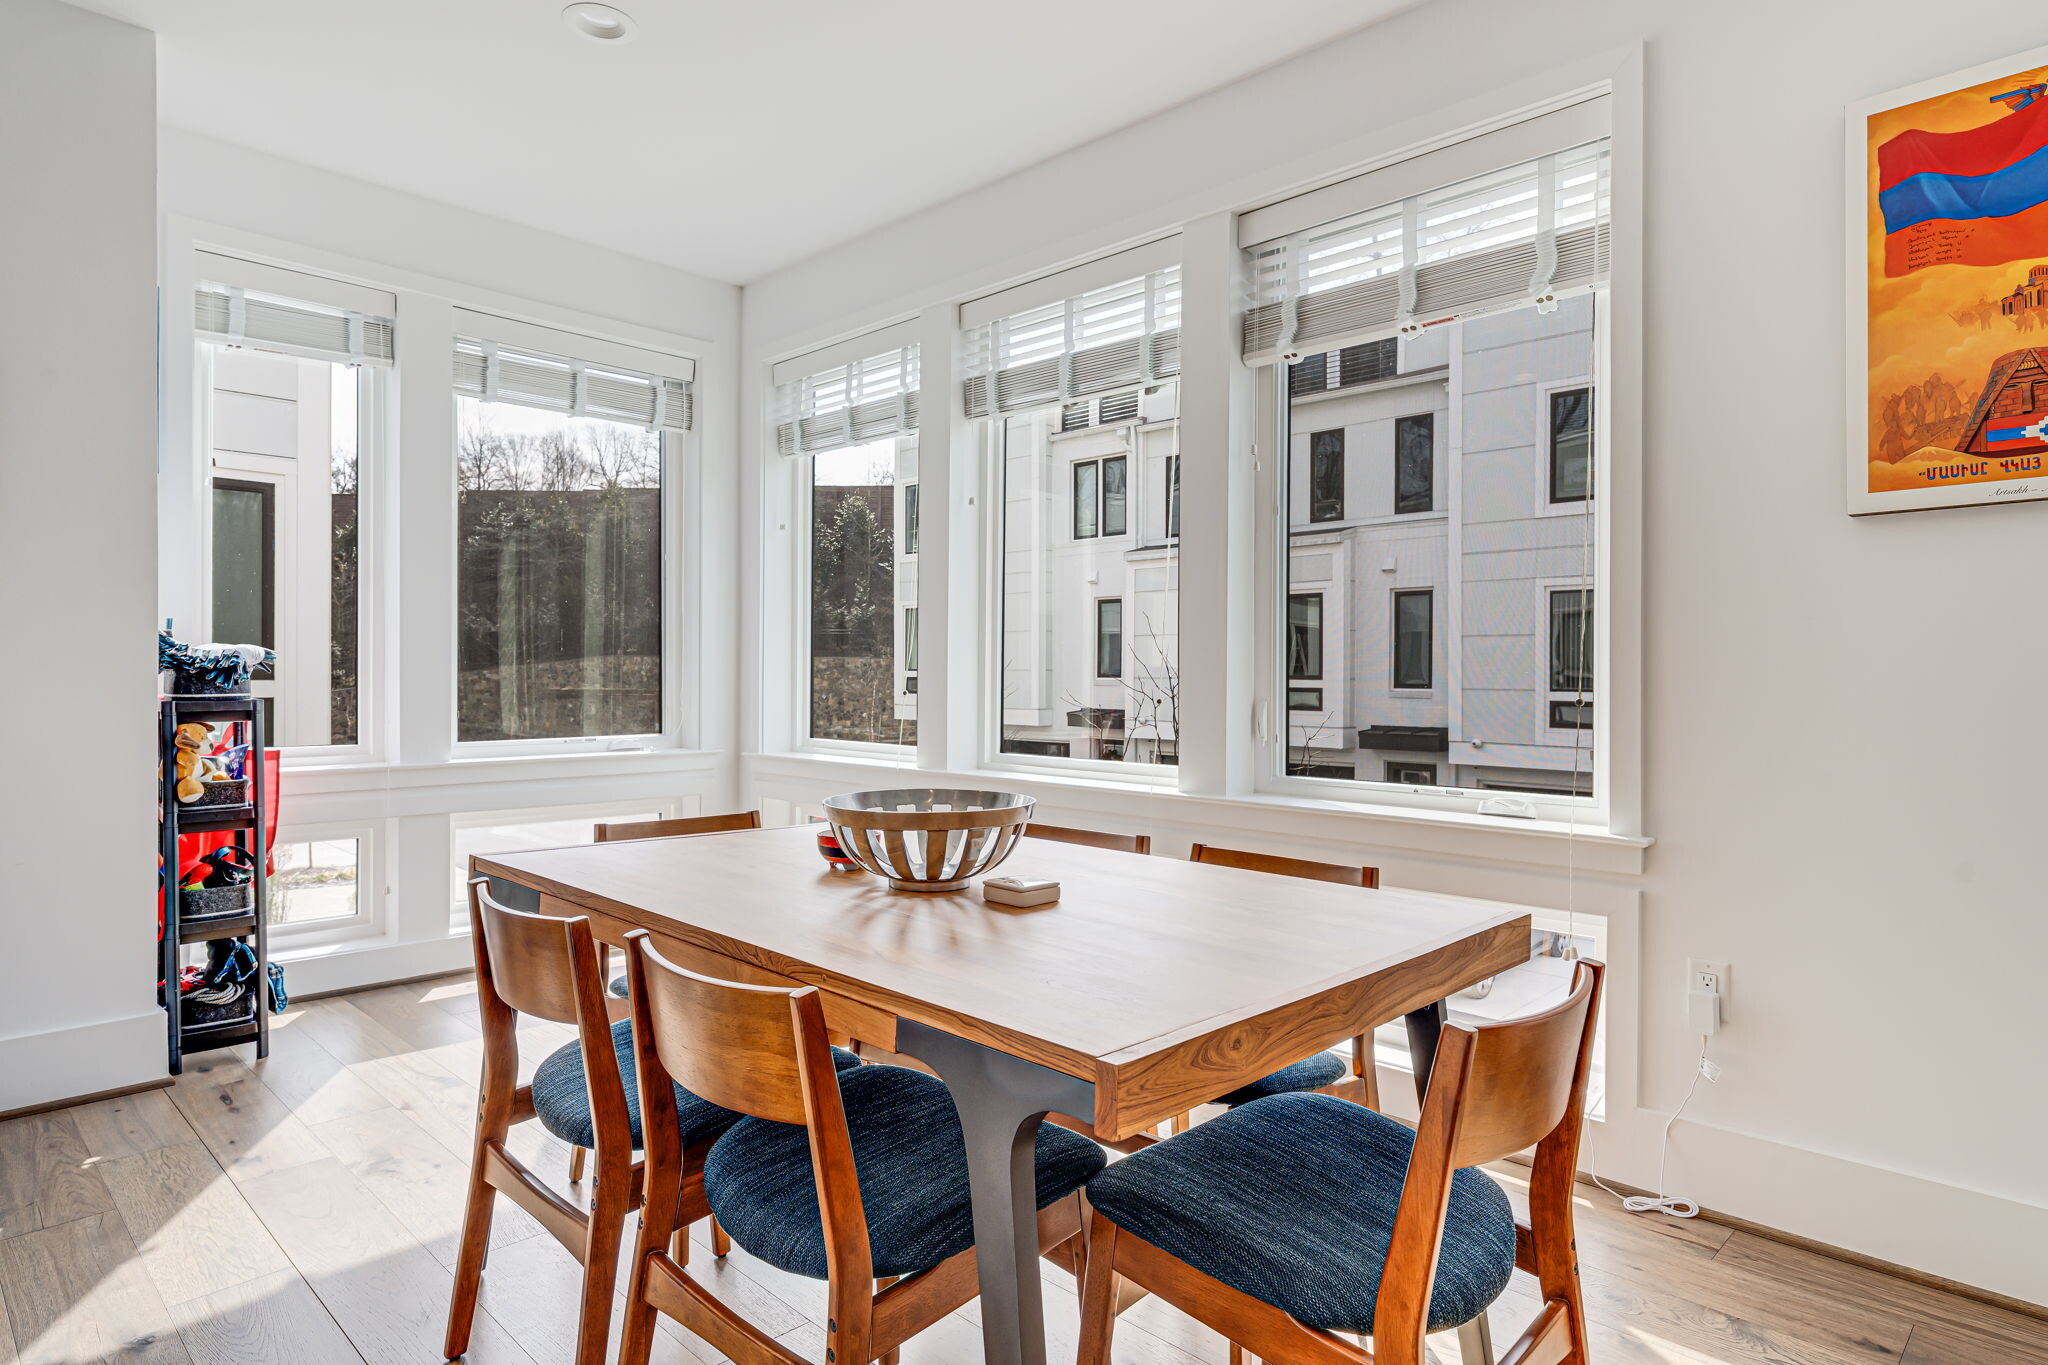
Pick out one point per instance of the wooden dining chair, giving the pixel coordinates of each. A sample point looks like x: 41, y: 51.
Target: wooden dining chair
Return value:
x: 669, y: 829
x: 551, y: 969
x: 1297, y: 1217
x: 858, y: 1179
x: 1089, y: 838
x: 617, y: 831
x: 1323, y: 1069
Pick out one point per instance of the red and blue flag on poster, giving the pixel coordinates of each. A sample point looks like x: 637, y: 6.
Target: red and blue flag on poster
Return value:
x: 1973, y: 197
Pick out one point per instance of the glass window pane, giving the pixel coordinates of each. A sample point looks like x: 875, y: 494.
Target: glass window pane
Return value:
x: 1173, y: 495
x: 1571, y: 445
x: 559, y: 583
x: 910, y: 515
x: 1425, y: 579
x: 313, y: 882
x: 860, y: 588
x: 1090, y: 623
x: 1305, y: 635
x: 1113, y: 498
x: 1085, y: 474
x: 1326, y: 476
x: 1412, y: 639
x: 1415, y: 463
x: 286, y: 574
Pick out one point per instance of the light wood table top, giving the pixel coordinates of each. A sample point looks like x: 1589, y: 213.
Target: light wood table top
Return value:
x: 1163, y: 982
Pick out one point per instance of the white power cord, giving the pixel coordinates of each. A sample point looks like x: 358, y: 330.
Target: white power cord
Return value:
x: 1660, y: 1202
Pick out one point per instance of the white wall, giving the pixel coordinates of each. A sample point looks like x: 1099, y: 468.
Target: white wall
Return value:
x: 77, y: 545
x: 1840, y: 753
x: 409, y: 805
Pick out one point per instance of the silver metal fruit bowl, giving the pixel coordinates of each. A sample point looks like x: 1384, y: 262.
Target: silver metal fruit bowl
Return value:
x: 928, y: 839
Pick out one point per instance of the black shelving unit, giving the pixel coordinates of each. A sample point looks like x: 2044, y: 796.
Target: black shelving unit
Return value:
x: 246, y: 824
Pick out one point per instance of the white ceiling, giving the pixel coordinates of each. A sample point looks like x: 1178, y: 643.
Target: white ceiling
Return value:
x: 727, y: 138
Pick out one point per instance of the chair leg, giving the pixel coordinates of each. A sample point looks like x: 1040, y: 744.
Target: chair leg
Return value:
x: 601, y: 1239
x: 469, y: 1258
x: 1182, y: 1122
x: 576, y: 1155
x: 1098, y: 1293
x: 893, y: 1356
x: 720, y: 1241
x: 1475, y: 1342
x: 1236, y: 1354
x: 1367, y: 1071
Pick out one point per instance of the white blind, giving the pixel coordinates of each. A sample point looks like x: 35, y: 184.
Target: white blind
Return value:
x: 1116, y: 336
x: 863, y: 399
x: 499, y: 373
x: 236, y: 316
x: 1525, y: 233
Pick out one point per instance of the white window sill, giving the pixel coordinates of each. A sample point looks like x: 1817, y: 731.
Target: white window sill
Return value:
x: 314, y: 779
x: 1587, y: 847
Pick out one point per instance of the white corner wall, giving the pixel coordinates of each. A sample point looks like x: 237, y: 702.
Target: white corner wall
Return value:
x: 77, y: 553
x: 1841, y: 757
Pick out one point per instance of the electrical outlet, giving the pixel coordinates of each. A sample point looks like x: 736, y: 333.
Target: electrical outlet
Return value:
x: 1702, y: 975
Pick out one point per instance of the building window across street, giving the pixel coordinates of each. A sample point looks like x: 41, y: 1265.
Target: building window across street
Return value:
x: 1415, y: 463
x: 1100, y: 497
x: 1304, y: 635
x: 1109, y: 637
x: 1413, y: 631
x: 1571, y: 445
x: 1326, y: 476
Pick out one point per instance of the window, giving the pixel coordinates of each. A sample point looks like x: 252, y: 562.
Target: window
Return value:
x: 1083, y: 512
x: 858, y: 589
x: 1413, y: 666
x: 1571, y: 445
x: 1326, y: 476
x: 910, y: 512
x: 284, y: 565
x: 1415, y: 463
x: 558, y: 575
x: 1304, y: 698
x: 1571, y: 640
x: 1305, y: 635
x: 314, y: 883
x: 1109, y: 637
x: 1087, y: 499
x: 1571, y: 715
x: 1412, y: 774
x: 1341, y: 771
x: 1100, y: 497
x: 524, y: 830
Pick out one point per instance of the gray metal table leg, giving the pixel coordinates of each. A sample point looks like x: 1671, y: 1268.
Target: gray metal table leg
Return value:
x: 1001, y: 1099
x: 1425, y: 1026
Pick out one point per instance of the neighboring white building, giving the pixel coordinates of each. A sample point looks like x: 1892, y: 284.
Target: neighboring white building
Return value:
x: 1439, y: 557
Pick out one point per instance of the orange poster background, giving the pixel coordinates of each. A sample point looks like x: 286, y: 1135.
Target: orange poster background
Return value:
x: 1935, y: 333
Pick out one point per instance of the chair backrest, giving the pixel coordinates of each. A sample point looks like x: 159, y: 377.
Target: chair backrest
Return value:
x: 1493, y: 1090
x: 1341, y: 873
x: 667, y: 829
x: 1089, y: 838
x: 532, y: 962
x: 744, y: 1048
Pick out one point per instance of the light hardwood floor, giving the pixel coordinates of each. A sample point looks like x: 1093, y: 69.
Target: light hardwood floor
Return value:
x: 305, y: 1209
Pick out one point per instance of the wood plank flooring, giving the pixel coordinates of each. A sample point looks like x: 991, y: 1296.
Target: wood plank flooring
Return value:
x: 305, y: 1208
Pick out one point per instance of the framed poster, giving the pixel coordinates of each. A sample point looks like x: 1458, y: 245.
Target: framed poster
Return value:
x: 1948, y: 290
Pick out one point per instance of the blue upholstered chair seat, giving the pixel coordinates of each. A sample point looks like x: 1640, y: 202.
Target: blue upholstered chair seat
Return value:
x: 561, y: 1099
x: 912, y: 1167
x: 1291, y: 1199
x: 618, y: 987
x: 1310, y: 1073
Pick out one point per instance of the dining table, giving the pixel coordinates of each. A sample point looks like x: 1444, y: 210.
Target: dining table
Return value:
x: 1151, y: 986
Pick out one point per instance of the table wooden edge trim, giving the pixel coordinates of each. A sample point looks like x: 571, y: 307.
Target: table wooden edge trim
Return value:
x: 1137, y: 1087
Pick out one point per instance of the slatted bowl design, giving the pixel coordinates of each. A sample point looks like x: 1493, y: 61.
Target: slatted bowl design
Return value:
x: 928, y: 838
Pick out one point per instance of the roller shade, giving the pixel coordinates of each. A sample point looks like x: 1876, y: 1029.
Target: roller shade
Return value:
x: 860, y: 399
x: 1118, y: 335
x: 234, y: 316
x: 1526, y: 233
x: 501, y: 373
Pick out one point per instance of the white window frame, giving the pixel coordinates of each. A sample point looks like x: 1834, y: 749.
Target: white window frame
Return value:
x: 681, y: 486
x: 370, y: 920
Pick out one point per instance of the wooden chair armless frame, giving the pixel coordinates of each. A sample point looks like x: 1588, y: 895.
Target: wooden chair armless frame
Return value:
x: 764, y: 1051
x: 1495, y: 1089
x: 1090, y: 838
x: 552, y: 969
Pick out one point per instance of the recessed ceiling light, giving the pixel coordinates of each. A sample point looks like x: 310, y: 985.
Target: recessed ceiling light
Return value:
x: 602, y: 23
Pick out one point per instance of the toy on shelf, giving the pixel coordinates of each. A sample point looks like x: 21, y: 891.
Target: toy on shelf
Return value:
x: 211, y: 771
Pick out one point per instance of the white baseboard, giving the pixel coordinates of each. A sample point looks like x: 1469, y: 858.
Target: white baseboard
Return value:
x: 346, y: 967
x: 87, y: 1059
